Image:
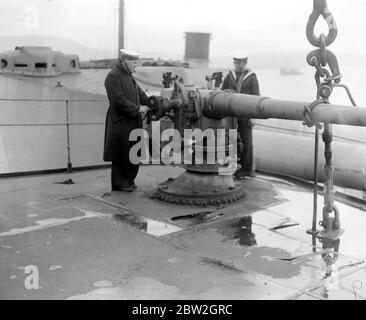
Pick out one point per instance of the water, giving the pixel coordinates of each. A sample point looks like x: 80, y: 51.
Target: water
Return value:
x: 303, y: 88
x: 145, y: 224
x: 300, y: 87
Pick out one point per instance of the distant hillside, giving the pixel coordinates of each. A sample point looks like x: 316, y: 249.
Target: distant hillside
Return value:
x: 257, y: 60
x: 65, y: 45
x: 289, y: 59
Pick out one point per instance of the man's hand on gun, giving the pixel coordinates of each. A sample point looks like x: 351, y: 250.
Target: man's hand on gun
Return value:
x: 144, y: 109
x: 158, y: 106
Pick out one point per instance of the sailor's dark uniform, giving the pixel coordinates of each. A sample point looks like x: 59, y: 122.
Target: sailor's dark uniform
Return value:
x: 244, y: 82
x: 125, y: 97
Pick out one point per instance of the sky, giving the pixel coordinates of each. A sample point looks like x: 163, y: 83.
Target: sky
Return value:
x: 156, y: 27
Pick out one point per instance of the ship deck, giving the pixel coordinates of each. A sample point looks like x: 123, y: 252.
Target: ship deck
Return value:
x: 88, y: 243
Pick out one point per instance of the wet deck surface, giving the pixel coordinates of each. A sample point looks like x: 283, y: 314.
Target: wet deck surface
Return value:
x: 90, y: 244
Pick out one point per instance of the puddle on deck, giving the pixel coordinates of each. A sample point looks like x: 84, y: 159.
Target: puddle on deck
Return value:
x: 147, y: 225
x: 119, y: 216
x: 240, y: 230
x: 267, y: 240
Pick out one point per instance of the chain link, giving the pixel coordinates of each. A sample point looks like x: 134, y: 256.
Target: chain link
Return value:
x: 325, y: 79
x: 320, y: 8
x: 323, y: 53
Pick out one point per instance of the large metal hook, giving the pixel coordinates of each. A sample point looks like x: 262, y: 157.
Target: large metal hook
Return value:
x: 321, y: 8
x: 331, y: 60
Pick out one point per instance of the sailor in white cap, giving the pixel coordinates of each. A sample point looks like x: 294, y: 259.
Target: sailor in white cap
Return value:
x: 127, y: 101
x: 240, y: 54
x: 243, y: 80
x: 134, y: 55
x: 131, y: 58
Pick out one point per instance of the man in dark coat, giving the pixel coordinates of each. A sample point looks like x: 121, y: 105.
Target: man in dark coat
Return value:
x: 126, y: 104
x: 243, y: 80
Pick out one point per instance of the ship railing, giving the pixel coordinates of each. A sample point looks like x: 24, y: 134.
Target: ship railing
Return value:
x: 28, y: 113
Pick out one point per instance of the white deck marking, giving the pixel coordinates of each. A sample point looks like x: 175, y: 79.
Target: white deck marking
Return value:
x: 53, y: 222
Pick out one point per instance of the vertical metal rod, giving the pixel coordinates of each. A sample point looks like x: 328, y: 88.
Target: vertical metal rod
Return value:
x: 313, y: 230
x: 121, y: 24
x: 315, y: 190
x: 314, y: 242
x: 328, y: 168
x: 69, y: 165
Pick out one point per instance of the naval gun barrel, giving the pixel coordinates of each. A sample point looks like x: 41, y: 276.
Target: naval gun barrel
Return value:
x: 221, y: 104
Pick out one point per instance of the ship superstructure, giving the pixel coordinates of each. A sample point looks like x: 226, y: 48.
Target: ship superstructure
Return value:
x: 38, y: 62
